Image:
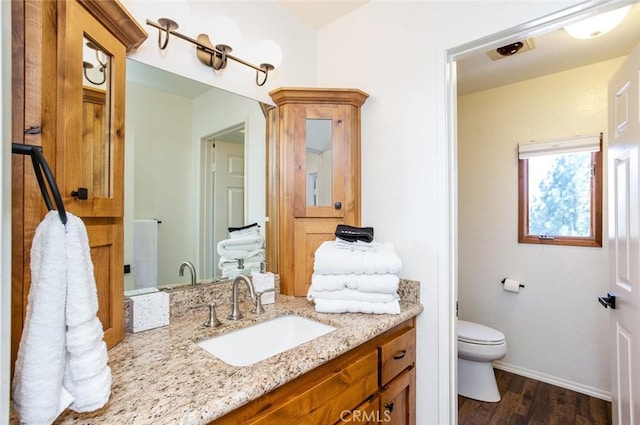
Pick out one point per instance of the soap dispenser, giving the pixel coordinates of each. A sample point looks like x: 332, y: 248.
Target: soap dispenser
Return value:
x: 264, y: 283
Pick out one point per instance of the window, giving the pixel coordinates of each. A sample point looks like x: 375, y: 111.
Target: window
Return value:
x: 560, y: 191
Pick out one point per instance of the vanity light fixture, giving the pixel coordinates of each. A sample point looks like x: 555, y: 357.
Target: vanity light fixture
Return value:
x: 88, y: 65
x: 598, y: 25
x: 216, y: 56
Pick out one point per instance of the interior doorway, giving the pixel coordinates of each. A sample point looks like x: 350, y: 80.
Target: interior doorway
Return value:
x: 454, y: 56
x: 222, y: 191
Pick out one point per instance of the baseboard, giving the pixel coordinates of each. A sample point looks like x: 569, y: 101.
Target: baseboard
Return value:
x: 553, y: 380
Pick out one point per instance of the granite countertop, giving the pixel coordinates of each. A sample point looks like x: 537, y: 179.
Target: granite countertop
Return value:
x: 162, y: 376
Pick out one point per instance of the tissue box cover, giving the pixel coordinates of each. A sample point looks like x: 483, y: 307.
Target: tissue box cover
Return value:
x: 262, y: 281
x: 148, y: 311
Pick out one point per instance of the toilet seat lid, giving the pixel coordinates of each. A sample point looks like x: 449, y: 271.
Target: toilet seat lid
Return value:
x: 475, y: 333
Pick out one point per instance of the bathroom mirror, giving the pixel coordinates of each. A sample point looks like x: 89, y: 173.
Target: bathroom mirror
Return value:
x: 318, y: 162
x: 97, y: 167
x: 175, y: 132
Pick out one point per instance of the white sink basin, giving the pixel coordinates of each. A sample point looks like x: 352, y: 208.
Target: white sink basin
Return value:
x: 249, y: 345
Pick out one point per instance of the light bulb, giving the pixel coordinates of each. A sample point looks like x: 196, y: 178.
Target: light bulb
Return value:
x: 225, y: 31
x: 598, y: 25
x: 268, y: 51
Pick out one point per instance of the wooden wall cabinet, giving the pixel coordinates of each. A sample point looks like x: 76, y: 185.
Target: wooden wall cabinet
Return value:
x: 313, y: 176
x: 373, y: 383
x: 81, y: 130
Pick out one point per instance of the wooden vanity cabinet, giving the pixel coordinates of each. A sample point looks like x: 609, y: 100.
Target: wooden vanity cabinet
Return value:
x: 397, y: 395
x: 81, y: 129
x: 373, y: 383
x: 313, y: 176
x: 365, y: 414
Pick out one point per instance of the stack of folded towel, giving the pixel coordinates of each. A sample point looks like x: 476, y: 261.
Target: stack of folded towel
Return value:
x: 244, y: 244
x: 355, y: 274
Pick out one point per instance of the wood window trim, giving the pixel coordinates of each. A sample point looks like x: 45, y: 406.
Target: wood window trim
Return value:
x: 596, y: 209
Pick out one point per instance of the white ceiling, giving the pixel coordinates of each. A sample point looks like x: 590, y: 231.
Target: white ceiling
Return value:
x: 554, y: 51
x: 318, y: 13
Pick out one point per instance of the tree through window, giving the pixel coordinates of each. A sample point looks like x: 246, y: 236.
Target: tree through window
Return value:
x: 560, y: 192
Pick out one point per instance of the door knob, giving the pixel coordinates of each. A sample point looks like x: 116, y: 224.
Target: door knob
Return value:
x: 608, y: 301
x: 81, y: 193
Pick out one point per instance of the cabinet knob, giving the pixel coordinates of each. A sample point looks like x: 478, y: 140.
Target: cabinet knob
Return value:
x: 81, y: 193
x: 337, y: 205
x: 399, y: 355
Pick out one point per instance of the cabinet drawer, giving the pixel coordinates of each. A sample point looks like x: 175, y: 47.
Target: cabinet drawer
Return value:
x: 396, y: 355
x: 325, y: 402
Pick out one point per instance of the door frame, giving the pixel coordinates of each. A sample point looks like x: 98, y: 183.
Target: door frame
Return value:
x: 448, y: 193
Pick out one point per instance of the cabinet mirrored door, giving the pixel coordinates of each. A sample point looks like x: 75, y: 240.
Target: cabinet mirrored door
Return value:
x: 318, y: 162
x: 91, y: 123
x: 97, y: 168
x: 321, y: 152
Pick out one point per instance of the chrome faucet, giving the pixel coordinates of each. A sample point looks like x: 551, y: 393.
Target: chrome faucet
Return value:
x: 192, y: 270
x: 235, y: 314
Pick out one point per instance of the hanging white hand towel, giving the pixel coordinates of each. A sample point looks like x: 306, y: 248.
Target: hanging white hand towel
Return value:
x: 62, y: 355
x: 145, y: 253
x: 39, y: 368
x: 87, y: 377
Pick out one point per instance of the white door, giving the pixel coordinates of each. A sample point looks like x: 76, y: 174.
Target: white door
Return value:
x: 624, y: 234
x: 228, y: 210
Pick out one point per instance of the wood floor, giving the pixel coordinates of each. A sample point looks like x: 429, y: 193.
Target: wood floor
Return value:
x: 526, y: 401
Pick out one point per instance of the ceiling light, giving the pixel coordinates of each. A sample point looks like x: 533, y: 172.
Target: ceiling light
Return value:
x: 597, y: 25
x: 214, y: 55
x: 510, y: 49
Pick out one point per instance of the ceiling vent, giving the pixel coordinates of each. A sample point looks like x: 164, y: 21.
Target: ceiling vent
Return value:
x: 511, y: 49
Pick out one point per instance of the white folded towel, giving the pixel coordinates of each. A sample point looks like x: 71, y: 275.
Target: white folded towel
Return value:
x: 344, y: 306
x: 332, y: 260
x: 230, y: 247
x: 381, y: 283
x: 255, y: 256
x: 61, y: 352
x: 250, y: 230
x: 355, y: 245
x: 351, y: 295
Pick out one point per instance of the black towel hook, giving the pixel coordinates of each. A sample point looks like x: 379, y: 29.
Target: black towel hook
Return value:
x: 40, y: 166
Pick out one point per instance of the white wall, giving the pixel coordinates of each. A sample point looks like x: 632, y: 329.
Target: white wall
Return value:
x: 395, y: 51
x: 554, y: 326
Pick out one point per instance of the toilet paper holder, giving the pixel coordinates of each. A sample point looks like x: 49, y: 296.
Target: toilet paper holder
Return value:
x: 505, y: 279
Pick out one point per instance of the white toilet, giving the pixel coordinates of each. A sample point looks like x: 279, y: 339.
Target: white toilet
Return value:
x: 478, y: 347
